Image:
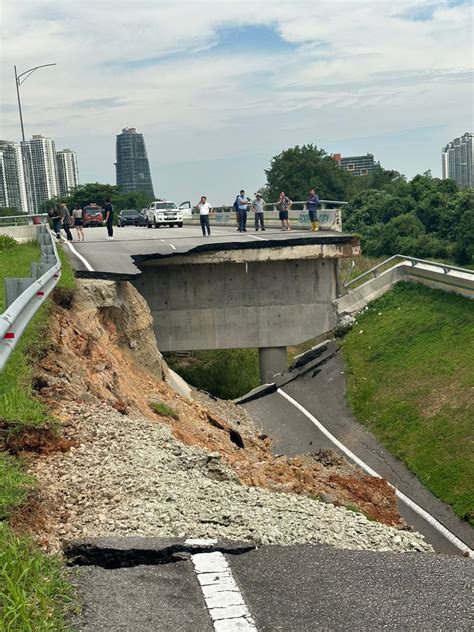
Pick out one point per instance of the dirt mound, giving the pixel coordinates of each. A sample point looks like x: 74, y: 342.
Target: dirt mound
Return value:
x: 104, y: 350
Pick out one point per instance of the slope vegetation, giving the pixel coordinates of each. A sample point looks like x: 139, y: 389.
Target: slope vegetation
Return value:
x: 410, y: 360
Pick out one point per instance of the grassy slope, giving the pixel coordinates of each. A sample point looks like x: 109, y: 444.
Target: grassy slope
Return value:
x: 411, y: 382
x: 33, y: 592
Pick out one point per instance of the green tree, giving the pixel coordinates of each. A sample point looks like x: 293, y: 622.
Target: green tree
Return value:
x: 298, y: 169
x: 96, y: 192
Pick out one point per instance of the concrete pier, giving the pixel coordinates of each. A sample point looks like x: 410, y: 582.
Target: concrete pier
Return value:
x: 272, y: 360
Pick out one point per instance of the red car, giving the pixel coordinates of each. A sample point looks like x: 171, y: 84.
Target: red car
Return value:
x: 93, y: 215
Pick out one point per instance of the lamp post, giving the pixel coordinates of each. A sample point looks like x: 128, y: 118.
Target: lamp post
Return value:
x: 18, y: 82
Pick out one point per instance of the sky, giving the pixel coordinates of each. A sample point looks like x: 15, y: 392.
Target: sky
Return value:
x: 219, y: 88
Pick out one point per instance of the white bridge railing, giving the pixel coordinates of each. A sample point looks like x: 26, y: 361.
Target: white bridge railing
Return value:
x: 24, y: 296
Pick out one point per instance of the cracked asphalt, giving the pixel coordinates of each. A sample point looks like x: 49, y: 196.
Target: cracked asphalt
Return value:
x: 322, y: 392
x: 301, y: 588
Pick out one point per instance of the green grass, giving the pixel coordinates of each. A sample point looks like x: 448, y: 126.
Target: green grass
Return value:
x: 15, y: 261
x: 18, y: 404
x: 410, y: 360
x: 15, y: 484
x: 33, y: 591
x: 226, y: 373
x: 163, y: 409
x: 34, y: 595
x: 67, y: 280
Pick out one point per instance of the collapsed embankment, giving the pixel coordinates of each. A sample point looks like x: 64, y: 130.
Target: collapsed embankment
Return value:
x: 199, y: 468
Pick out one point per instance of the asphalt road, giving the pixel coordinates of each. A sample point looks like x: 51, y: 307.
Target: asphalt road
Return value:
x: 303, y: 588
x: 109, y: 259
x: 322, y: 393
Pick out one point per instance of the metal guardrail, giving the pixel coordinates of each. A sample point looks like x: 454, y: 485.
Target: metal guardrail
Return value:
x: 26, y: 295
x: 24, y: 219
x: 413, y: 260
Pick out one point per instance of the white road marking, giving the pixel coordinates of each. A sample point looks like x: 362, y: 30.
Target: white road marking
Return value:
x: 416, y: 508
x: 257, y: 237
x: 80, y: 257
x: 170, y: 245
x: 223, y: 598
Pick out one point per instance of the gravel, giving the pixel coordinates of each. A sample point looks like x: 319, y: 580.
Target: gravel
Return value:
x: 129, y: 476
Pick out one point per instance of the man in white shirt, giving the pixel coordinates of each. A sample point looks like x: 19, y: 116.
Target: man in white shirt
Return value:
x: 204, y: 209
x: 243, y: 204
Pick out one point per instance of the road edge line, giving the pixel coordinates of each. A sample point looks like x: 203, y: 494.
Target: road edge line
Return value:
x: 89, y: 268
x: 457, y: 542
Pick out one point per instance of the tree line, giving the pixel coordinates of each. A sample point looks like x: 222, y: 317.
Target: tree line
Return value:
x: 96, y: 192
x: 423, y: 217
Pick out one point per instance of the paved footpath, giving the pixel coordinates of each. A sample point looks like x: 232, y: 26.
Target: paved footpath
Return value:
x: 145, y: 584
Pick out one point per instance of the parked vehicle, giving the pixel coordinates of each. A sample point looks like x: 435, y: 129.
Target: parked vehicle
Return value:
x: 164, y: 213
x: 186, y: 209
x: 93, y: 215
x: 128, y: 217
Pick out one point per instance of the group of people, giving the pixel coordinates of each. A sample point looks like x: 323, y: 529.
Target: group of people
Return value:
x: 62, y: 217
x: 244, y: 204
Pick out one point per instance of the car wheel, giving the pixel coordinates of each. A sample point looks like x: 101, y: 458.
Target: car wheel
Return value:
x: 155, y: 224
x: 180, y: 225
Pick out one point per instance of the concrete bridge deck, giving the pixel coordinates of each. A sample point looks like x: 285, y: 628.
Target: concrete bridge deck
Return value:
x: 117, y: 259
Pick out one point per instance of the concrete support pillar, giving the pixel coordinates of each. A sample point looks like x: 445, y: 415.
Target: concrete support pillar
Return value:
x: 272, y: 360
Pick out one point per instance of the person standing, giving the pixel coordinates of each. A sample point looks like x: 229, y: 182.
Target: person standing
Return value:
x: 78, y: 218
x: 258, y: 205
x: 66, y: 221
x: 242, y: 206
x: 284, y: 204
x: 55, y: 215
x: 204, y: 209
x: 313, y: 205
x: 109, y: 218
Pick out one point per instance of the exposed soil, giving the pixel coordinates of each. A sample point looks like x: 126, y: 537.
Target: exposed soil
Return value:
x: 104, y: 350
x: 35, y: 440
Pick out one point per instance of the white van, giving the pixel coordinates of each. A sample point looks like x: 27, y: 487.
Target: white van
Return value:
x: 165, y: 213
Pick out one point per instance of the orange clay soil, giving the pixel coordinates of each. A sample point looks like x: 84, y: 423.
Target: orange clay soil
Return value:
x: 104, y: 350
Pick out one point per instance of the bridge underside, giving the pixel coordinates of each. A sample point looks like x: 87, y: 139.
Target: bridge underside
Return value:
x: 264, y: 298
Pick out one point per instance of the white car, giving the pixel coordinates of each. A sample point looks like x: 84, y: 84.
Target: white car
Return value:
x: 166, y: 213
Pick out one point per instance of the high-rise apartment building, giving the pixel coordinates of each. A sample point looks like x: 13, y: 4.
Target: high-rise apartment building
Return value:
x: 457, y: 160
x: 12, y: 179
x: 68, y: 176
x: 132, y: 167
x: 42, y: 169
x: 357, y: 165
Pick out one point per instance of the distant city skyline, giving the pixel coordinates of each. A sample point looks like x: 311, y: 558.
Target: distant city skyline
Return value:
x: 33, y: 172
x: 218, y: 91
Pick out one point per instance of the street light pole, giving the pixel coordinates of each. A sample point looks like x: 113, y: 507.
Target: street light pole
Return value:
x: 18, y: 82
x: 19, y: 105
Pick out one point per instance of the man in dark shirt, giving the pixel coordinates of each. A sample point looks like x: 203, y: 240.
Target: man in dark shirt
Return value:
x: 313, y: 204
x: 109, y: 218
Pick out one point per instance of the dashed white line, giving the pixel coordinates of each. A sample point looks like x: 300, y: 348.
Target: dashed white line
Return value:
x: 225, y: 602
x: 257, y: 237
x: 80, y: 257
x: 168, y: 244
x: 419, y: 510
